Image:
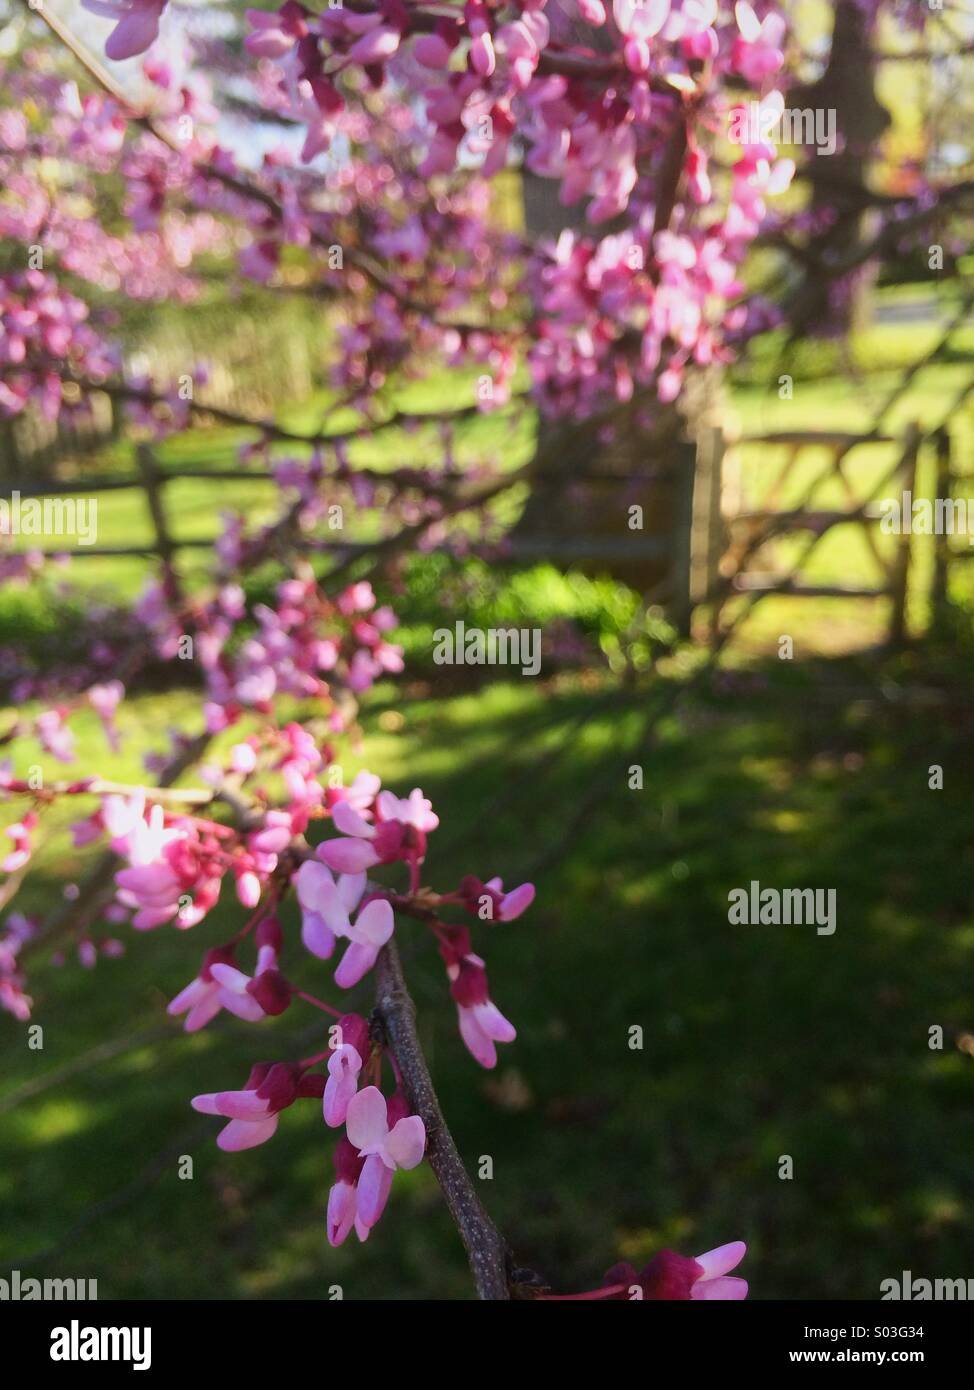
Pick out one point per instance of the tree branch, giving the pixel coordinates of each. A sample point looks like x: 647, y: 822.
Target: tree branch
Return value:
x: 486, y: 1247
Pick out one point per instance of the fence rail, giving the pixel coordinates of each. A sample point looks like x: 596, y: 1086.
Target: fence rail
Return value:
x: 747, y: 530
x: 713, y: 545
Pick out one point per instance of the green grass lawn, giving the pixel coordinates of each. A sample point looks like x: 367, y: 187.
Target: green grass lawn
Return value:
x: 759, y: 1042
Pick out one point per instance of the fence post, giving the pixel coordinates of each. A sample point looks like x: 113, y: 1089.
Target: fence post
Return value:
x: 900, y: 568
x: 943, y: 488
x: 153, y: 481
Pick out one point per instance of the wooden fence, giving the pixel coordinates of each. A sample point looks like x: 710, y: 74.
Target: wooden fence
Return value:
x: 739, y: 529
x: 709, y: 556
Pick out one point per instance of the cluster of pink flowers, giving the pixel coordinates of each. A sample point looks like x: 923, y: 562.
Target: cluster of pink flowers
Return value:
x: 16, y: 931
x: 299, y: 641
x: 20, y: 835
x: 45, y: 332
x: 381, y: 1135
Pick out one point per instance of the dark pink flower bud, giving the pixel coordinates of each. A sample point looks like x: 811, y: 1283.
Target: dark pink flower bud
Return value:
x: 258, y: 1074
x: 311, y: 1086
x: 353, y: 1031
x: 280, y: 1086
x: 269, y: 934
x: 470, y: 986
x: 455, y: 943
x: 397, y: 1108
x: 219, y: 955
x: 271, y: 990
x: 348, y: 1162
x: 668, y: 1277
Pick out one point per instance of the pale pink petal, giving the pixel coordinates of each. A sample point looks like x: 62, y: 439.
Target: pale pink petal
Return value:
x: 476, y: 1039
x: 343, y: 1073
x: 243, y: 1006
x: 347, y: 856
x: 747, y: 21
x: 243, y: 1134
x: 331, y: 911
x: 726, y: 1288
x: 517, y: 901
x: 350, y: 890
x: 366, y: 1124
x: 206, y: 1104
x: 722, y: 1259
x: 230, y: 978
x: 357, y: 961
x: 493, y: 1022
x: 234, y: 1105
x: 147, y: 918
x: 374, y: 924
x: 341, y: 1212
x: 374, y: 1183
x: 201, y: 1013
x: 387, y: 804
x: 146, y: 879
x: 349, y: 822
x: 133, y: 34
x: 318, y: 938
x: 308, y: 883
x: 194, y: 992
x: 406, y: 1143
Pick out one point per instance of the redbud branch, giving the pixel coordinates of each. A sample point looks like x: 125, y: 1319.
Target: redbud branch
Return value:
x: 486, y: 1248
x: 235, y: 183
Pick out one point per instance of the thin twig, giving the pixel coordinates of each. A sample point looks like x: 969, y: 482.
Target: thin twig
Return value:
x: 486, y: 1247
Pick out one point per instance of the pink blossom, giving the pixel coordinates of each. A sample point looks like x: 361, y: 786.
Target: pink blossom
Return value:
x: 243, y: 758
x: 326, y: 907
x: 17, y: 930
x: 367, y: 935
x: 20, y: 834
x: 318, y: 893
x: 482, y: 57
x: 54, y: 735
x: 343, y: 1197
x: 375, y: 47
x: 252, y: 1112
x: 490, y: 902
x: 349, y: 1053
x: 481, y: 1022
x: 174, y: 871
x: 360, y: 793
x: 274, y: 35
x: 757, y: 51
x: 640, y: 19
x: 104, y: 700
x: 267, y: 986
x: 399, y: 833
x: 205, y: 996
x: 670, y: 1277
x: 384, y: 1148
x: 137, y: 24
x: 716, y: 1264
